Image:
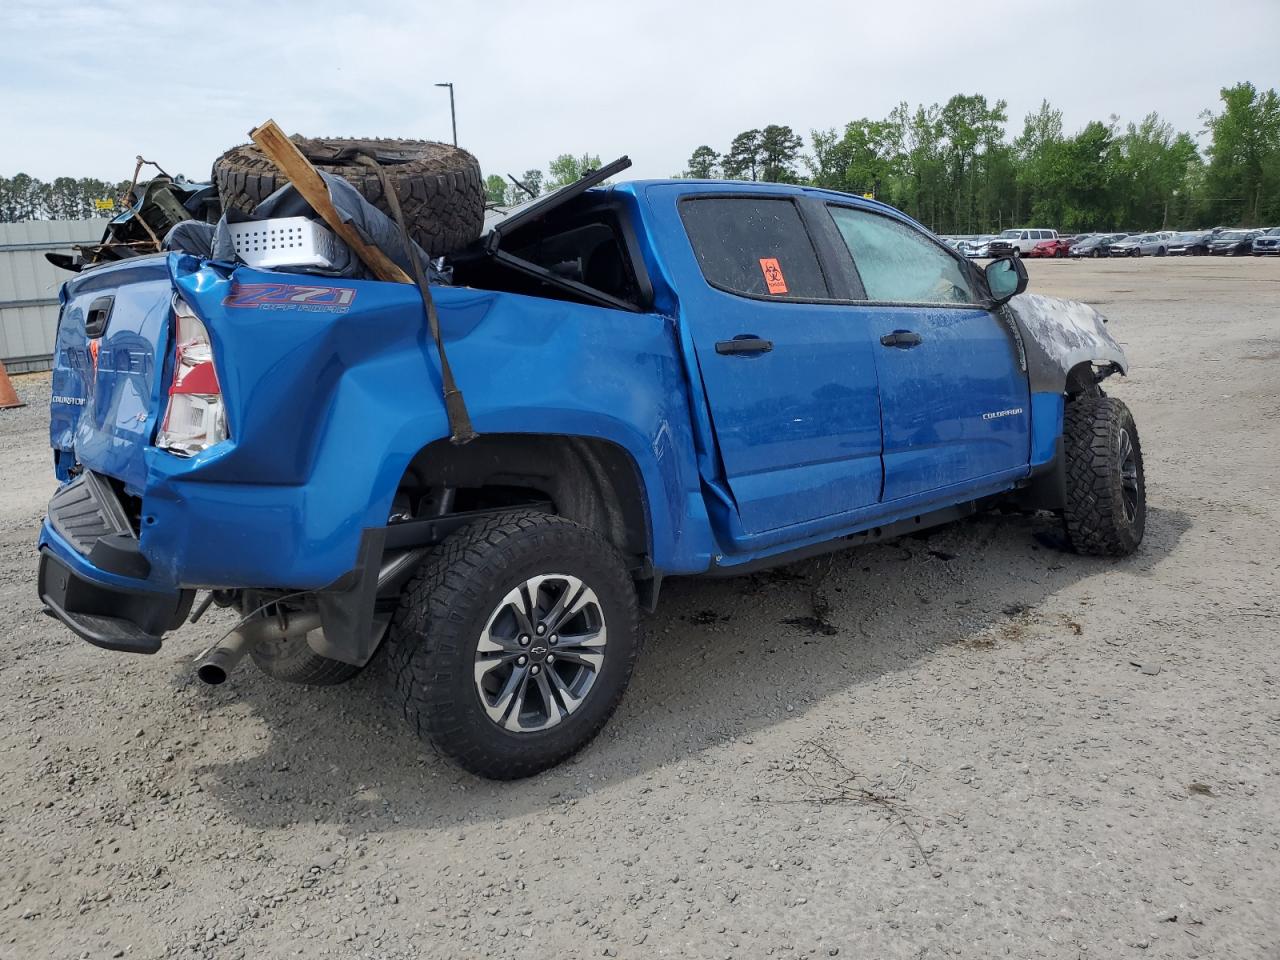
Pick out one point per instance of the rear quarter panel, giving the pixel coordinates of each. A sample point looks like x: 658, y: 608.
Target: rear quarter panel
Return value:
x: 329, y: 401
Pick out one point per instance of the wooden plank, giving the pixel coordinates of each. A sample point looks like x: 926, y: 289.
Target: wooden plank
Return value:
x: 272, y: 141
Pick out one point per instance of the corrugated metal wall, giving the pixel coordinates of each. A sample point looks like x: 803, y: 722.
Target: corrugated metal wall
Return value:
x: 29, y: 287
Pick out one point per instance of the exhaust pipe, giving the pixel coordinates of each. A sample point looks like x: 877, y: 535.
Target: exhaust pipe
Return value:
x: 215, y: 664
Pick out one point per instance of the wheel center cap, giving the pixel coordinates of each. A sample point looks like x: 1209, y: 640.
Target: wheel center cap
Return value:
x: 538, y: 653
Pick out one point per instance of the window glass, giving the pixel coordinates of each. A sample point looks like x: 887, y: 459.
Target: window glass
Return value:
x: 898, y: 263
x: 754, y: 246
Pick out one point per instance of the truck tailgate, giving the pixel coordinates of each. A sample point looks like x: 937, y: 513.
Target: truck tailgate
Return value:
x: 106, y: 389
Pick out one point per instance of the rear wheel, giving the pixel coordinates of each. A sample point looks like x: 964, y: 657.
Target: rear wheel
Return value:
x: 290, y: 659
x: 1106, y: 503
x: 513, y: 644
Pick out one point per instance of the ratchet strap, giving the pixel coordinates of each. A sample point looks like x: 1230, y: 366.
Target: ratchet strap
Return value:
x: 460, y: 429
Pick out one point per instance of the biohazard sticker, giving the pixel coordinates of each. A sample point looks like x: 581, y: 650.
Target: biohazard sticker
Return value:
x: 773, y: 278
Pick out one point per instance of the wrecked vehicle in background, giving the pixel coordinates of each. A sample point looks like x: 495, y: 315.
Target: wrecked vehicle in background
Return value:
x: 666, y: 378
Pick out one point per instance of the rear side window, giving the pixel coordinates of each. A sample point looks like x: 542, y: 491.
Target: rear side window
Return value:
x: 899, y: 264
x: 755, y: 246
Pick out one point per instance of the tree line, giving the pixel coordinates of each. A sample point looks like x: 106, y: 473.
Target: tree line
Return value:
x: 23, y: 197
x: 954, y: 168
x: 563, y: 170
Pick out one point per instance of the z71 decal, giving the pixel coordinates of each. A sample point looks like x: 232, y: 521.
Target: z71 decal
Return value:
x: 290, y: 296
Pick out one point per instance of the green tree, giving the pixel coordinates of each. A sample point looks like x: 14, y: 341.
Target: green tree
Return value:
x: 567, y: 168
x: 532, y: 179
x: 1243, y: 174
x: 744, y: 156
x: 495, y: 190
x: 1038, y: 153
x: 1149, y: 170
x: 1079, y: 175
x: 971, y: 127
x: 780, y: 148
x: 857, y: 159
x: 20, y: 198
x: 918, y: 187
x: 702, y: 163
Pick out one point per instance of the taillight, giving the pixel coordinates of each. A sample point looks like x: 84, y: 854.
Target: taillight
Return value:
x: 195, y: 418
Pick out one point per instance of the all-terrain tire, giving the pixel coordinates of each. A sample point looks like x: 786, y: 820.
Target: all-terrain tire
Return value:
x: 1106, y: 498
x: 292, y: 661
x: 439, y: 186
x: 431, y: 648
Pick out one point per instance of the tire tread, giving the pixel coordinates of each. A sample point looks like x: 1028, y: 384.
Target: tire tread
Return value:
x: 1094, y: 514
x: 424, y: 636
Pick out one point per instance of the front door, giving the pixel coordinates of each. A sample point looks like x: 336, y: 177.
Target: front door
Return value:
x: 955, y: 398
x: 789, y: 375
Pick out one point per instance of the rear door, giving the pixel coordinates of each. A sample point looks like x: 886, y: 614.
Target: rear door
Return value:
x: 954, y: 396
x: 789, y: 374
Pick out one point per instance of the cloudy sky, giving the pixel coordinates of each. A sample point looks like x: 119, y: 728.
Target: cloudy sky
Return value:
x: 84, y: 86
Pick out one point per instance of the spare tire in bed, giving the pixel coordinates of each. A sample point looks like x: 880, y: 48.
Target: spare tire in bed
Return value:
x: 440, y: 189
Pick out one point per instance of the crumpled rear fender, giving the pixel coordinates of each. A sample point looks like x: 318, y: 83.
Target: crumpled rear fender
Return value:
x: 332, y: 387
x: 1058, y: 336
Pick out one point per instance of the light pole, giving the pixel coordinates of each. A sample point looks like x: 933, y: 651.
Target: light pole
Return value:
x: 453, y: 115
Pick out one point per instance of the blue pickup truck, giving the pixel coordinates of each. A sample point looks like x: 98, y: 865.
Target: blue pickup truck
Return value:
x: 666, y: 378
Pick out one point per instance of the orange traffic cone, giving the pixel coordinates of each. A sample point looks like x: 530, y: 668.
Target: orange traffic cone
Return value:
x: 8, y: 396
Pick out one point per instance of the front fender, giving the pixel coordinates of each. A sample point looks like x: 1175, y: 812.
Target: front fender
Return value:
x: 1059, y: 335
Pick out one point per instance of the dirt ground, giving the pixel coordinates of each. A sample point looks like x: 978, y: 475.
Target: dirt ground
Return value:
x: 970, y: 745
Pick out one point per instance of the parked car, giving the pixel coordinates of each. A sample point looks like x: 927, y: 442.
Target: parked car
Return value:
x: 978, y: 248
x: 1019, y: 242
x: 667, y: 378
x: 1145, y: 244
x: 1097, y: 245
x: 1233, y: 243
x: 1193, y: 243
x: 1051, y: 248
x: 1267, y: 244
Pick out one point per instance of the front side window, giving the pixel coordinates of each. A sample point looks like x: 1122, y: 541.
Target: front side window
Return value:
x: 756, y: 246
x: 899, y: 264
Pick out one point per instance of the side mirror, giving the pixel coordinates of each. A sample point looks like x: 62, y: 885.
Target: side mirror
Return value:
x: 1006, y: 278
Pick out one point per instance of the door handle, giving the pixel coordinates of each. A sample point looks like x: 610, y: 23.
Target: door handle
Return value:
x: 902, y: 338
x: 95, y: 320
x: 744, y: 343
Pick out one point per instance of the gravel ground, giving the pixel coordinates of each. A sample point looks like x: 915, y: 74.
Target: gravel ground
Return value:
x: 968, y: 745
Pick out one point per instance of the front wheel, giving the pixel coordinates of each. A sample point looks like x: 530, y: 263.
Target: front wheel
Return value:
x: 513, y: 644
x: 1106, y: 503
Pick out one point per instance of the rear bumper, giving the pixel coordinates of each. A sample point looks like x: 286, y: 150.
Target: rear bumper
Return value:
x: 108, y: 610
x: 123, y: 594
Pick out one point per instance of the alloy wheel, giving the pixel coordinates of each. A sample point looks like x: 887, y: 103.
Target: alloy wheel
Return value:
x: 1128, y: 475
x: 540, y: 653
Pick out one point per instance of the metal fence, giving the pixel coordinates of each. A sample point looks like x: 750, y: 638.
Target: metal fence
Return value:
x: 29, y: 287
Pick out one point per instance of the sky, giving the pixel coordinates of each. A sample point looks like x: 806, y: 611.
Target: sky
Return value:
x: 86, y: 86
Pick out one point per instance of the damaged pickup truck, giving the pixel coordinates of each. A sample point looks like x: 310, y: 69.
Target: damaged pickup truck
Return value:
x: 665, y: 378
